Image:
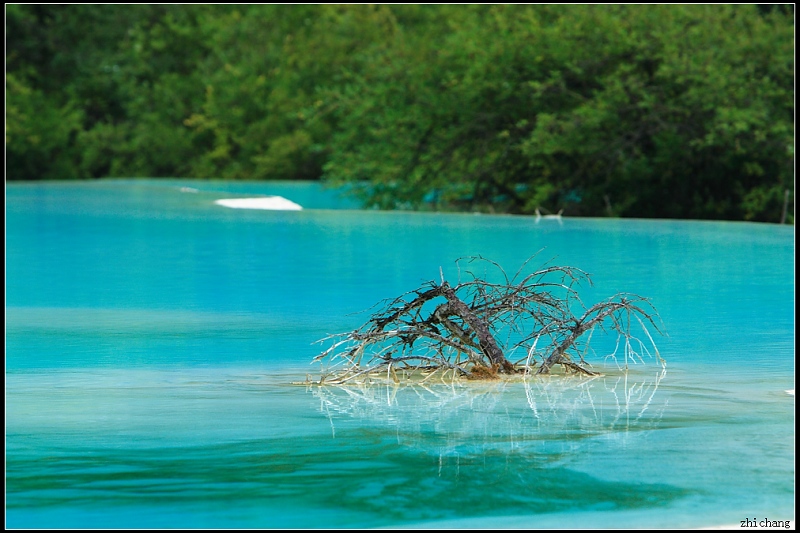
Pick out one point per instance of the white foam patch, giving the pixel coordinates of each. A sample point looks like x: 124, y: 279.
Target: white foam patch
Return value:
x: 275, y: 203
x: 790, y: 392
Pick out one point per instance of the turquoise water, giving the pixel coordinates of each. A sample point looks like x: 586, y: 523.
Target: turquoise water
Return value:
x: 152, y: 338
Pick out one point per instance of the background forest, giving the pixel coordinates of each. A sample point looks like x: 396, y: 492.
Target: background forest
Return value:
x: 669, y: 111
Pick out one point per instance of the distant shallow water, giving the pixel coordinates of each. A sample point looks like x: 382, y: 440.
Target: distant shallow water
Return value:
x: 152, y: 337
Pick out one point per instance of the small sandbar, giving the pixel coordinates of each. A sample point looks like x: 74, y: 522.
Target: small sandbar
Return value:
x: 274, y: 203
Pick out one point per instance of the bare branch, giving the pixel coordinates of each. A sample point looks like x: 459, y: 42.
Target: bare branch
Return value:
x: 459, y: 334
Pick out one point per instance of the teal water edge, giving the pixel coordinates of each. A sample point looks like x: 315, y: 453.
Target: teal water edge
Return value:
x: 153, y: 336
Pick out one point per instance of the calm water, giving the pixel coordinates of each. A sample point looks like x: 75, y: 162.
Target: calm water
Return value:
x: 153, y: 336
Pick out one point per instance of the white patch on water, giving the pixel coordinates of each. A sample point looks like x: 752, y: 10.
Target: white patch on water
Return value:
x: 275, y: 203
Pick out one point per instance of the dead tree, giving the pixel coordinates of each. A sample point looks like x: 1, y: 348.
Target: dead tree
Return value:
x: 456, y: 328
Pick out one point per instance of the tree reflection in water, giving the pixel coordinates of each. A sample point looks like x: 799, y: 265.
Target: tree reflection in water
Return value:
x: 552, y: 412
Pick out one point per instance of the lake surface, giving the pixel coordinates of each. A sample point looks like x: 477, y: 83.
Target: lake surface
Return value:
x: 153, y: 336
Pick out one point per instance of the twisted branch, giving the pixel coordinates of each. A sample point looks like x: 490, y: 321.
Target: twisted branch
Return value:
x: 460, y: 333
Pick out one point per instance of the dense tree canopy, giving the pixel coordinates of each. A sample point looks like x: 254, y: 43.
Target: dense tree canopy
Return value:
x: 600, y: 110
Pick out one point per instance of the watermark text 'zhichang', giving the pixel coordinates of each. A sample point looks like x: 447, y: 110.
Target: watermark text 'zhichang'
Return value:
x: 786, y: 524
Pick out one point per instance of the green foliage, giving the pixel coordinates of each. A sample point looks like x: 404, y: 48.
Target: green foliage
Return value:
x: 39, y: 133
x: 599, y: 110
x: 644, y: 111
